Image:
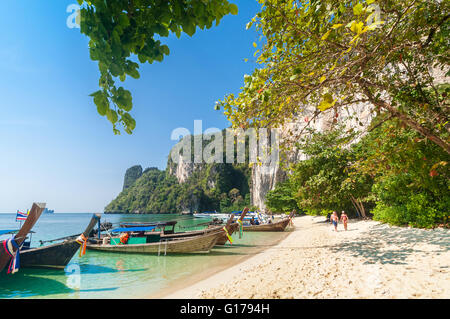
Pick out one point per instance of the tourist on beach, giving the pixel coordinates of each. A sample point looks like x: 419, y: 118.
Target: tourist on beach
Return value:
x: 328, y: 218
x: 334, y: 220
x: 344, y: 219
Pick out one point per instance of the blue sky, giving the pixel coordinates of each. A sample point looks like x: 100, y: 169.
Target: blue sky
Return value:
x: 55, y: 148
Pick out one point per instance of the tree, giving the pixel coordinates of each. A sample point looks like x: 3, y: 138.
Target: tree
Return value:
x: 120, y: 29
x: 282, y: 198
x: 392, y: 171
x: 334, y: 53
x: 326, y: 180
x: 410, y: 175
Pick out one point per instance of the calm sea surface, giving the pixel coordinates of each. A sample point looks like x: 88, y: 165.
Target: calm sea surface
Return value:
x: 112, y: 275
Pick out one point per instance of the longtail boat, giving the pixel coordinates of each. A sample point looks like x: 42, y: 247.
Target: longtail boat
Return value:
x: 231, y: 227
x: 10, y: 248
x: 57, y: 255
x: 140, y: 240
x: 274, y: 227
x: 168, y: 229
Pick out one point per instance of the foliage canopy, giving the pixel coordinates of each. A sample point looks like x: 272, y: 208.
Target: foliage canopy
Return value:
x: 121, y: 29
x: 334, y: 53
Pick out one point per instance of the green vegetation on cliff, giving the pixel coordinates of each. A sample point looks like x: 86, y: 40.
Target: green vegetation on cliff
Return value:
x: 205, y: 186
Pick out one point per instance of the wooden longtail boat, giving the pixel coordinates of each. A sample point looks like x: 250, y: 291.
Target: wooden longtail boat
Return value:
x: 19, y: 238
x: 56, y: 255
x: 232, y: 227
x: 152, y: 244
x: 168, y: 229
x: 275, y: 227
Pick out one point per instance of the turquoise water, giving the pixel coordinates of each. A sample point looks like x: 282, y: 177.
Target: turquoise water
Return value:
x: 109, y: 275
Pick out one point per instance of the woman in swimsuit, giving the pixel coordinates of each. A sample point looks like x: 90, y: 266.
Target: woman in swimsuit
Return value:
x: 334, y: 220
x: 344, y: 219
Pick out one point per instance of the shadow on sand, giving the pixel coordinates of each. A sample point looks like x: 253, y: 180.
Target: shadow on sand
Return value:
x: 392, y: 245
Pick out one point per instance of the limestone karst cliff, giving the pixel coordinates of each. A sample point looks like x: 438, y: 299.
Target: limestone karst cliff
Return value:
x: 183, y: 187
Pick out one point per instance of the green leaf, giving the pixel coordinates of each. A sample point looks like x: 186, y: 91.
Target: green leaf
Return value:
x: 357, y: 27
x: 325, y: 36
x: 134, y: 73
x: 358, y: 9
x: 129, y: 122
x: 102, y: 102
x: 327, y: 102
x: 124, y: 100
x: 189, y: 29
x: 233, y: 9
x: 112, y: 116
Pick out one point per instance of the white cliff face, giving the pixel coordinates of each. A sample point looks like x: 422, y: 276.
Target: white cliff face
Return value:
x: 264, y: 179
x: 184, y: 170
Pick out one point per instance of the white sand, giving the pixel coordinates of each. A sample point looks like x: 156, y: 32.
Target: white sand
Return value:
x: 370, y: 260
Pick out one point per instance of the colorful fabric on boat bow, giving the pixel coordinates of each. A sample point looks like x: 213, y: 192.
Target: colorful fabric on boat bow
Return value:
x: 228, y: 235
x: 82, y: 240
x: 241, y: 228
x: 9, y: 246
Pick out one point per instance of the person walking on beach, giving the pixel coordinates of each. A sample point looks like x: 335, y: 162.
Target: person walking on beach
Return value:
x: 334, y: 220
x: 344, y: 219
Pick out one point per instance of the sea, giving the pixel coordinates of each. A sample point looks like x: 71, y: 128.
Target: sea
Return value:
x: 99, y: 275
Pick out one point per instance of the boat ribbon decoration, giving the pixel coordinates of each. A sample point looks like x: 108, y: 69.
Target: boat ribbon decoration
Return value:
x: 9, y: 246
x: 241, y: 228
x: 228, y: 235
x: 82, y: 240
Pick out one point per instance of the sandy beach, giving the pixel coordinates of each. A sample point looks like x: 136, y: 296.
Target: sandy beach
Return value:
x: 370, y: 260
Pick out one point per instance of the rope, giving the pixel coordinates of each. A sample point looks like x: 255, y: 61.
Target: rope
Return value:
x: 9, y: 246
x: 228, y: 236
x: 241, y: 228
x: 82, y: 240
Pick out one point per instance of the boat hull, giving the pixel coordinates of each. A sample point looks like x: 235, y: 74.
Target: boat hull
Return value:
x: 56, y: 255
x: 195, y: 244
x: 222, y: 240
x: 274, y: 227
x: 53, y: 256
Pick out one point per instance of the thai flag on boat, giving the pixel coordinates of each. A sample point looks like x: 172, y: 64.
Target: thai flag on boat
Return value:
x: 21, y: 216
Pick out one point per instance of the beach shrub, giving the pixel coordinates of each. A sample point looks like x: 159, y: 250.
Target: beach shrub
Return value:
x: 411, y: 176
x: 322, y: 183
x: 282, y: 198
x: 400, y: 177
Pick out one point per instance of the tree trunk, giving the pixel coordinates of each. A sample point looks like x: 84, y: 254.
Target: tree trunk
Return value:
x: 358, y: 206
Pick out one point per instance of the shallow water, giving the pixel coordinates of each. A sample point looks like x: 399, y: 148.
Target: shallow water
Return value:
x: 112, y: 275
